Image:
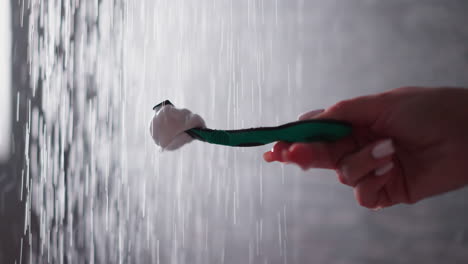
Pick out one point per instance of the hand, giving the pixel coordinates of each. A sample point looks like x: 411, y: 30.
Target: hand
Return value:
x: 407, y: 144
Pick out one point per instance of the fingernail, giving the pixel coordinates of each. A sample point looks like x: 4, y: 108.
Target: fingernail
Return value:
x: 284, y: 156
x: 292, y: 147
x: 310, y: 114
x: 383, y: 149
x: 345, y: 172
x: 267, y: 156
x: 384, y: 169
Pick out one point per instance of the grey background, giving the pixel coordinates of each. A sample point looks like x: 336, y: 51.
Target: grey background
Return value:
x: 241, y: 64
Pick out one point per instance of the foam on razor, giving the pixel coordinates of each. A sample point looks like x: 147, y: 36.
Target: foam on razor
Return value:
x: 169, y: 124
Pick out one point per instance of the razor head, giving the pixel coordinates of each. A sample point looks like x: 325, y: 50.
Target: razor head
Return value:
x: 158, y: 106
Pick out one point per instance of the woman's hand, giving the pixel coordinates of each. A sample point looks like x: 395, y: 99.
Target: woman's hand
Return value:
x: 407, y: 144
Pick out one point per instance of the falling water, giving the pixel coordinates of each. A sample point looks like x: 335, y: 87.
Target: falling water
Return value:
x: 97, y: 190
x: 102, y: 192
x: 75, y: 130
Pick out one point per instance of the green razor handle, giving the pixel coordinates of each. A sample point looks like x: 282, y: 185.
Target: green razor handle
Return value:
x: 314, y: 130
x: 300, y: 131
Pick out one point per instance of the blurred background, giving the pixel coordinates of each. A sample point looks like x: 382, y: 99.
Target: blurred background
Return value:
x: 82, y: 182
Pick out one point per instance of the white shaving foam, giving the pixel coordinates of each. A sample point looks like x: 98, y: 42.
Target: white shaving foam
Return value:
x: 169, y: 124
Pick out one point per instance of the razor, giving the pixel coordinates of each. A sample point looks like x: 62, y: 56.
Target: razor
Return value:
x: 306, y: 131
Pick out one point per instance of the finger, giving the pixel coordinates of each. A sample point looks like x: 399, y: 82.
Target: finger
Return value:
x: 310, y: 114
x: 319, y: 155
x: 370, y: 191
x: 275, y: 154
x: 384, y: 199
x: 357, y: 165
x: 360, y: 111
x: 309, y: 155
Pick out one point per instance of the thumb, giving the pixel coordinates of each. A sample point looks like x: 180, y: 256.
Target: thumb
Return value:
x: 360, y: 111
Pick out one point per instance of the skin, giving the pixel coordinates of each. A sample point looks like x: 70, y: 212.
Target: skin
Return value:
x: 429, y: 131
